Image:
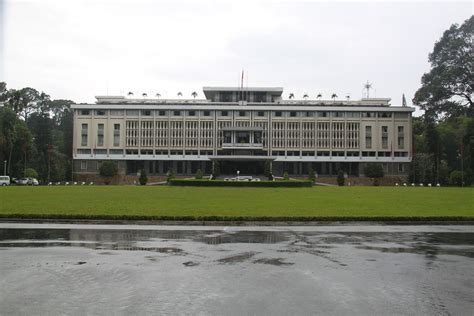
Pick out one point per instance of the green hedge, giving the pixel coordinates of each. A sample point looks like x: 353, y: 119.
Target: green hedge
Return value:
x: 59, y: 217
x: 253, y: 184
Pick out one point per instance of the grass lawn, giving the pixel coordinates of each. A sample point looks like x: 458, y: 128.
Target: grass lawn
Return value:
x: 230, y: 203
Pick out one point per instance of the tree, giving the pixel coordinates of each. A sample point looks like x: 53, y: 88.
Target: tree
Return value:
x: 199, y: 174
x: 180, y: 94
x: 170, y: 175
x: 340, y: 178
x: 374, y: 171
x: 285, y: 176
x: 305, y: 96
x: 194, y: 94
x: 455, y: 178
x: 447, y: 89
x: 30, y: 173
x: 143, y: 179
x: 108, y: 169
x: 144, y: 95
x: 267, y: 169
x: 319, y: 96
x: 291, y: 96
x: 334, y: 96
x: 130, y: 94
x: 312, y: 175
x: 157, y: 95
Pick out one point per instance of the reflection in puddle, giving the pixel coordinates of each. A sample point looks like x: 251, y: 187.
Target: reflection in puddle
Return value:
x: 315, y: 243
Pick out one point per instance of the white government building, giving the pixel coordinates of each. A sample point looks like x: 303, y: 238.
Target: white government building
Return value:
x: 241, y: 128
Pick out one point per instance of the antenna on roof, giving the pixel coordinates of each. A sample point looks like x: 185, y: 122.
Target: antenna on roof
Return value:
x: 368, y: 86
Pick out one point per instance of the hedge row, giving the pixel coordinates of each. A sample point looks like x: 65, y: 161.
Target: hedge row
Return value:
x: 253, y: 184
x: 236, y: 219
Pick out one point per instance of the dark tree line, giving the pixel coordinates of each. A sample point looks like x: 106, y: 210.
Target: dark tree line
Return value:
x: 35, y: 132
x: 444, y: 135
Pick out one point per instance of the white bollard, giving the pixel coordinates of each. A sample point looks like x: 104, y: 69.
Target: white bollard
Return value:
x: 404, y: 184
x: 421, y: 184
x: 83, y: 183
x: 396, y: 184
x: 438, y: 185
x: 412, y: 184
x: 429, y: 184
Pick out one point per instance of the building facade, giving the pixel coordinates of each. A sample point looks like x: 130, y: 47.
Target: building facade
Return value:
x: 241, y: 128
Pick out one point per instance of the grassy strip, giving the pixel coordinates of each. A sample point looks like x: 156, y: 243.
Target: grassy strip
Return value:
x: 252, y: 184
x: 237, y: 204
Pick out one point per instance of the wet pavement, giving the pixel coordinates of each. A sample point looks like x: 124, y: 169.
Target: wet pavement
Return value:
x: 329, y: 270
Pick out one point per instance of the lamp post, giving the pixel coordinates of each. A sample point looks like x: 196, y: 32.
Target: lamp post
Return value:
x: 5, y: 168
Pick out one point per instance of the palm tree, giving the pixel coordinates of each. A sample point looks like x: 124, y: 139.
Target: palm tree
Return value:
x: 348, y: 97
x: 180, y: 94
x: 158, y: 95
x: 291, y: 96
x: 144, y: 95
x: 194, y: 94
x: 319, y: 96
x: 305, y: 96
x: 130, y: 94
x: 334, y: 96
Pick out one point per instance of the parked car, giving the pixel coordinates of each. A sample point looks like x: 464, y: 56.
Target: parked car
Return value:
x: 33, y: 181
x: 4, y: 180
x: 22, y: 181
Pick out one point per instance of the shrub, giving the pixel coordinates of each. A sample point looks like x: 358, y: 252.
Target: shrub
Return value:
x: 170, y: 175
x: 374, y: 171
x: 143, y: 179
x: 312, y: 175
x: 285, y: 176
x: 108, y: 169
x: 199, y: 174
x: 455, y: 178
x: 340, y: 178
x: 30, y: 173
x: 216, y: 183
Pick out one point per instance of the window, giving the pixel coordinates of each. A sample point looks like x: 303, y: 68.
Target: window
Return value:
x: 242, y: 113
x: 368, y: 136
x: 385, y: 114
x: 401, y: 137
x: 83, y: 165
x: 116, y: 112
x: 401, y: 168
x: 308, y: 114
x: 224, y: 113
x: 132, y: 112
x: 293, y: 114
x: 243, y: 137
x: 162, y: 113
x: 368, y: 114
x: 401, y: 115
x: 322, y: 114
x: 191, y: 113
x: 84, y: 112
x: 260, y: 113
x: 84, y: 135
x: 146, y: 112
x: 100, y: 135
x: 352, y: 114
x: 227, y: 137
x: 207, y: 113
x: 100, y: 112
x: 257, y: 137
x: 116, y: 134
x: 384, y: 137
x: 278, y: 114
x: 177, y: 113
x: 337, y: 114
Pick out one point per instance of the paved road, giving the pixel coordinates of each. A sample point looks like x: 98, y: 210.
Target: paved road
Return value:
x: 329, y: 270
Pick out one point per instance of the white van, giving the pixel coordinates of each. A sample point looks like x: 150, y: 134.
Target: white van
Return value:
x: 4, y: 180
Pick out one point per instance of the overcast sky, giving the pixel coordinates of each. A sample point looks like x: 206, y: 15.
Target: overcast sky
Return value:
x: 78, y: 49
